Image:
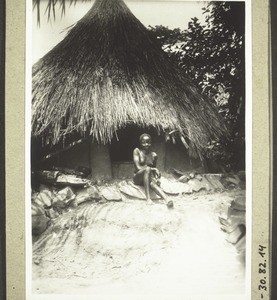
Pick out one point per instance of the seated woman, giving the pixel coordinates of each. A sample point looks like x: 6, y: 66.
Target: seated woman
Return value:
x: 146, y: 173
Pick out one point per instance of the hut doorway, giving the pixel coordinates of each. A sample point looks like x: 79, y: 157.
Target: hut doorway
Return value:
x: 121, y: 150
x: 124, y: 142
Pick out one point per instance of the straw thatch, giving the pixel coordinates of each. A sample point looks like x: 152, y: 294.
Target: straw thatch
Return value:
x: 110, y: 71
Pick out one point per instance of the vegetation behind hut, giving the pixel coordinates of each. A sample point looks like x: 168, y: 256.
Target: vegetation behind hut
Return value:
x: 213, y: 55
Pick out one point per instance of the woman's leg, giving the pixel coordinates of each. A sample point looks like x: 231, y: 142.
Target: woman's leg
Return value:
x: 161, y: 193
x: 146, y: 182
x: 143, y: 177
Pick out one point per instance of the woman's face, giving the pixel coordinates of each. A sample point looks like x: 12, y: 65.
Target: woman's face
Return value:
x: 145, y: 142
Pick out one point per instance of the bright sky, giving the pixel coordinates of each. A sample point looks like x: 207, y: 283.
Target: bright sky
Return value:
x: 168, y: 13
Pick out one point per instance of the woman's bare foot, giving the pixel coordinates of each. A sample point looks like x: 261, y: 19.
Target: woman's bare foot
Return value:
x: 169, y: 204
x: 149, y: 201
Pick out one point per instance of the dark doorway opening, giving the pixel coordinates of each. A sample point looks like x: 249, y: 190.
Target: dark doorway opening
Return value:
x: 124, y: 142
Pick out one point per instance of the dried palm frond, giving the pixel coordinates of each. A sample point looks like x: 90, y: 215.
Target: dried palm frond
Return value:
x: 51, y: 7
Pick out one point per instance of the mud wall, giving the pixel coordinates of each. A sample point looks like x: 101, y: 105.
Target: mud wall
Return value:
x: 86, y: 154
x: 176, y: 156
x: 100, y: 161
x: 158, y: 146
x: 74, y: 157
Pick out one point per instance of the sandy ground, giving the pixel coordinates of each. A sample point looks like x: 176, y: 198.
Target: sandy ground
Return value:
x: 130, y: 247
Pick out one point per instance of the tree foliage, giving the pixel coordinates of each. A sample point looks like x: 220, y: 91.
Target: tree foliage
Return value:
x: 212, y: 55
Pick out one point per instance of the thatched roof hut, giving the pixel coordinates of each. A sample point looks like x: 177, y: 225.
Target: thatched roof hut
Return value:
x: 108, y: 72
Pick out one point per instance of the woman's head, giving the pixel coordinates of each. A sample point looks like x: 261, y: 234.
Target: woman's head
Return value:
x: 145, y: 141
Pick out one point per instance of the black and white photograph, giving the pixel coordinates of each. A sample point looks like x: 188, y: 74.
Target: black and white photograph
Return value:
x: 139, y: 146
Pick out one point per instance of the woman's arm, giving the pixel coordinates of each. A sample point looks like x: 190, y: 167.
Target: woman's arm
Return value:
x: 136, y: 160
x: 154, y: 169
x: 155, y: 158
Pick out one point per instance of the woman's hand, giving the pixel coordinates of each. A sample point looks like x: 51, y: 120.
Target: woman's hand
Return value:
x: 156, y: 172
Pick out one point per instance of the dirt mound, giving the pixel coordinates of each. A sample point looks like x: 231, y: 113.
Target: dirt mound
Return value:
x: 132, y: 247
x: 112, y: 235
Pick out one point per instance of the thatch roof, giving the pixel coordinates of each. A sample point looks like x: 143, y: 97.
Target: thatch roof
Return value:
x: 110, y: 71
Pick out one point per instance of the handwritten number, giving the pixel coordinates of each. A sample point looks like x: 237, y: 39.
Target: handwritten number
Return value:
x: 262, y: 271
x: 261, y: 248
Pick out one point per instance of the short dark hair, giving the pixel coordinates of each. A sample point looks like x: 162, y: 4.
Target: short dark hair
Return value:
x: 143, y: 135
